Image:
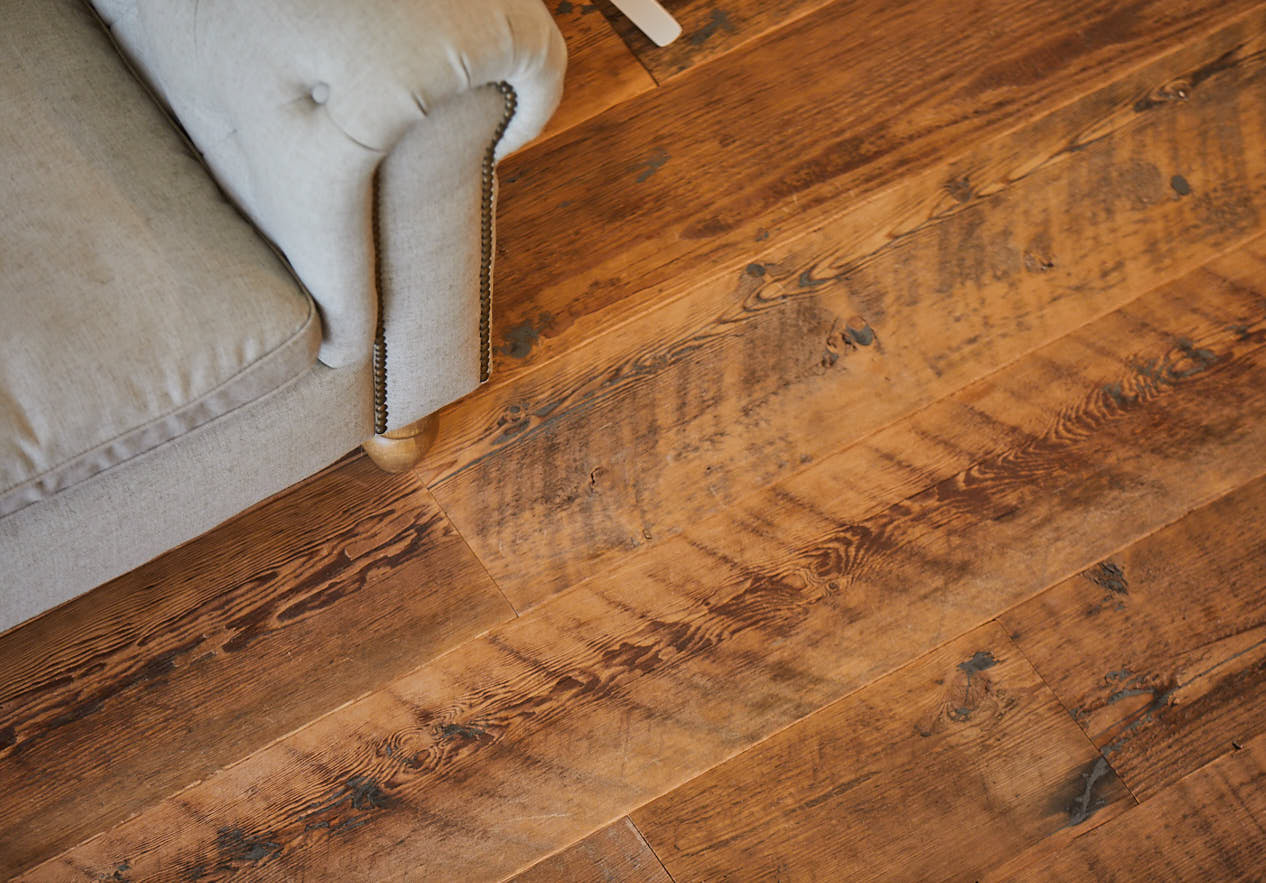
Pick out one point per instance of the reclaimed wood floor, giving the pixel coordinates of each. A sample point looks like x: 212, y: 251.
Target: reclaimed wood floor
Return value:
x: 872, y: 485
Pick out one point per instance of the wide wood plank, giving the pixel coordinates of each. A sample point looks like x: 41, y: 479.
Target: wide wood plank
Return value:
x: 706, y: 174
x: 164, y: 675
x: 1159, y: 652
x: 938, y: 771
x: 601, y: 71
x: 615, y: 853
x: 748, y: 379
x: 708, y: 29
x: 1209, y: 826
x: 624, y: 688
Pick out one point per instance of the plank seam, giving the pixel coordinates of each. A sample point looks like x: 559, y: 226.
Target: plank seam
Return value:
x: 651, y: 849
x: 795, y: 236
x: 791, y: 239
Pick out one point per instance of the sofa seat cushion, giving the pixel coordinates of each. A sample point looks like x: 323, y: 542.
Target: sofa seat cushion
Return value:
x: 135, y: 302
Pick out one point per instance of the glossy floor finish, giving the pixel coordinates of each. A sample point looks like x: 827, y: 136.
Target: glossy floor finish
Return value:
x: 872, y: 484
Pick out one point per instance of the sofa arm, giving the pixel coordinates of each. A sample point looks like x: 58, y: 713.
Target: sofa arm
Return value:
x: 296, y: 104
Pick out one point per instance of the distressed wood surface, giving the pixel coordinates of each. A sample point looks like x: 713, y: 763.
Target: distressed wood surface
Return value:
x: 708, y: 29
x: 615, y: 853
x: 544, y: 729
x: 163, y: 676
x: 601, y: 71
x: 1159, y: 651
x: 938, y: 771
x: 1210, y: 825
x: 701, y: 176
x: 635, y: 436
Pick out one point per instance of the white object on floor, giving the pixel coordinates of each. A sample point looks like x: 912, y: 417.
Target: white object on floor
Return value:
x: 654, y: 20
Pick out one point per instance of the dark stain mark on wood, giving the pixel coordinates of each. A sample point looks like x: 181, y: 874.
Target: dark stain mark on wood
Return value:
x: 463, y: 731
x: 1180, y: 185
x: 1164, y: 710
x: 838, y: 342
x: 235, y: 846
x: 566, y: 7
x: 718, y: 20
x: 969, y: 697
x: 1088, y: 800
x: 652, y: 164
x: 961, y: 189
x: 979, y: 662
x: 859, y: 331
x: 1180, y: 88
x: 520, y: 339
x: 807, y: 280
x: 365, y: 793
x: 361, y: 794
x: 1193, y: 361
x: 1108, y: 575
x: 756, y: 270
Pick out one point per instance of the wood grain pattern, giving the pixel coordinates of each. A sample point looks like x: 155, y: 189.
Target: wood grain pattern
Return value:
x: 938, y: 771
x: 550, y: 725
x: 161, y: 677
x: 601, y: 71
x: 687, y: 180
x: 747, y: 379
x: 1209, y: 826
x: 708, y: 29
x: 615, y: 853
x: 1159, y: 651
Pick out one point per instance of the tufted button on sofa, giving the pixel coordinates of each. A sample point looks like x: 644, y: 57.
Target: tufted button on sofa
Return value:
x: 239, y: 238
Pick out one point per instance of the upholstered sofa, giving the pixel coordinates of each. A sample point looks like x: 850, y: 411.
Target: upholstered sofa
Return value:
x: 239, y: 238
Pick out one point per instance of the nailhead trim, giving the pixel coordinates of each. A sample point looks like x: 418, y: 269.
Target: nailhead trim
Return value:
x: 485, y: 231
x: 486, y: 245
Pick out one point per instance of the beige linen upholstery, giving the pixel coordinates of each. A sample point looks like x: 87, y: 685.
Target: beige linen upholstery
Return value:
x: 135, y: 303
x: 430, y: 283
x: 98, y: 529
x: 294, y: 104
x: 153, y: 343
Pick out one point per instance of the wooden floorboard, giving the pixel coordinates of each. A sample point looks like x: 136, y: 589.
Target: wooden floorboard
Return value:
x: 163, y: 676
x: 616, y: 853
x: 1210, y: 825
x: 890, y: 378
x: 939, y: 771
x: 852, y: 792
x: 601, y: 70
x: 708, y: 29
x: 641, y: 433
x: 552, y: 725
x: 1159, y: 651
x: 709, y: 172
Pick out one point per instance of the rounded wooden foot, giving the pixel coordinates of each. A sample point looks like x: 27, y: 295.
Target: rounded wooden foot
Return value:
x: 402, y: 449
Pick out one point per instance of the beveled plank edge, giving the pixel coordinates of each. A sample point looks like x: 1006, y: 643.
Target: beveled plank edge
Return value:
x: 621, y: 26
x: 16, y: 872
x: 626, y: 817
x: 552, y: 130
x: 626, y: 315
x: 632, y: 811
x: 996, y: 619
x: 1014, y: 870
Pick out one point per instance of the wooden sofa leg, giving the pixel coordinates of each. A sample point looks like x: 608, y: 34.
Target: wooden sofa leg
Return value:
x: 402, y: 449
